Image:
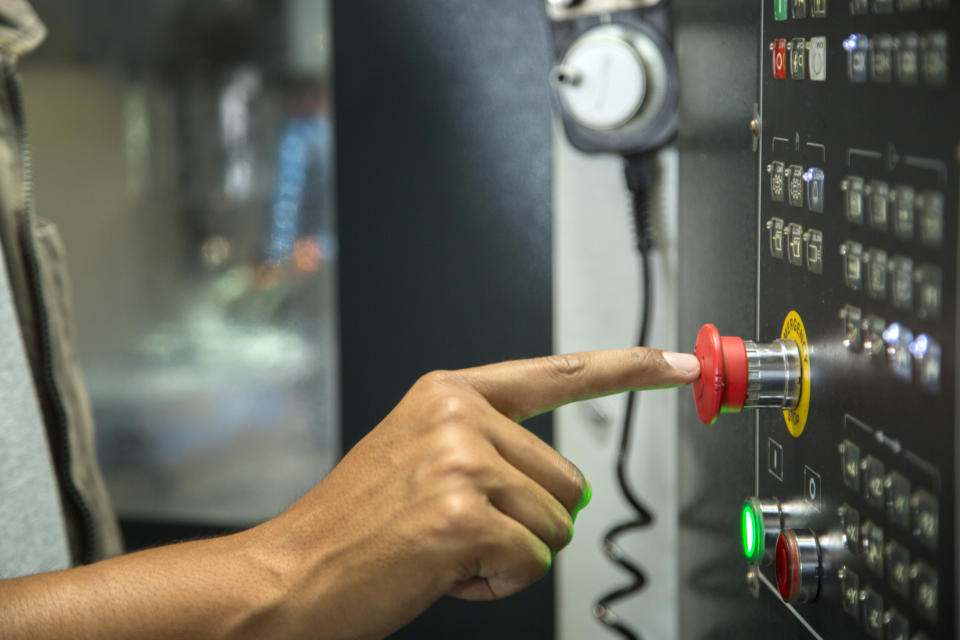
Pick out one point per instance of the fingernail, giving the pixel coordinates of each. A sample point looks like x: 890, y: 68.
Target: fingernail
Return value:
x: 584, y: 499
x: 683, y: 362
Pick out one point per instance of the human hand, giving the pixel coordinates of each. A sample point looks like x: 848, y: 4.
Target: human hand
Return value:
x: 448, y: 495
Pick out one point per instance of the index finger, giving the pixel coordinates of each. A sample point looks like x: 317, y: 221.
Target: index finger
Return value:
x: 520, y: 389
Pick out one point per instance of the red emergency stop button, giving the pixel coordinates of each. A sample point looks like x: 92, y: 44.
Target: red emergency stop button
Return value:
x: 722, y: 385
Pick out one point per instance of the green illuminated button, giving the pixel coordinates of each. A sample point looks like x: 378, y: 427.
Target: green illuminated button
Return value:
x: 759, y: 527
x: 780, y: 9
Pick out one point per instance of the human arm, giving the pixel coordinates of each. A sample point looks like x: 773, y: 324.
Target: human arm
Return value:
x: 447, y: 495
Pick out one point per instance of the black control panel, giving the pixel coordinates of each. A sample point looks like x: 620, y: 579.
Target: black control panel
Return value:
x: 858, y: 134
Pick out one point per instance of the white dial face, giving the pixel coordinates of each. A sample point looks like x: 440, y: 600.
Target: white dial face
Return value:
x: 610, y: 82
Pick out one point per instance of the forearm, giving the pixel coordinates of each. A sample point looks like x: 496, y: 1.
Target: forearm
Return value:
x: 223, y: 588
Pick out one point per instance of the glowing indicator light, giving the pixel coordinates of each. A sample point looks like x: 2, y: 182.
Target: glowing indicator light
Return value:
x: 920, y: 346
x: 850, y: 44
x: 752, y: 531
x: 891, y: 335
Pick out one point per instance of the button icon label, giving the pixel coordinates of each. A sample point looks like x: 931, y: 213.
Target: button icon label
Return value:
x: 775, y: 459
x: 811, y: 488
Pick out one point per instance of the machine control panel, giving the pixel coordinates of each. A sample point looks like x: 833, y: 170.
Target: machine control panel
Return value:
x: 851, y: 530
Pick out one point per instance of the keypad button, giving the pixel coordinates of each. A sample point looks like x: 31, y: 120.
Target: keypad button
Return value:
x: 850, y: 525
x: 852, y: 254
x: 898, y: 339
x: 850, y: 592
x: 898, y: 568
x: 775, y: 237
x: 818, y: 8
x: 895, y: 626
x: 814, y: 178
x: 817, y: 62
x: 871, y: 479
x: 929, y: 283
x: 928, y: 355
x: 798, y: 9
x: 904, y: 211
x: 901, y: 285
x: 853, y: 195
x: 851, y: 317
x: 925, y: 515
x: 798, y: 59
x: 872, y: 605
x: 881, y: 58
x: 856, y: 45
x: 850, y: 464
x: 934, y: 58
x: 794, y: 234
x: 871, y: 543
x: 875, y: 262
x: 930, y: 210
x: 778, y: 181
x: 780, y: 9
x: 779, y: 48
x: 814, y: 243
x: 906, y: 57
x: 924, y: 586
x: 873, y: 343
x: 877, y: 195
x: 897, y: 489
x: 795, y: 185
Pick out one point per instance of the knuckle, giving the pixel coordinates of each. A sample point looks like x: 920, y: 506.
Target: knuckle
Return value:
x: 436, y: 380
x: 567, y: 365
x: 459, y: 460
x: 451, y: 409
x: 459, y: 513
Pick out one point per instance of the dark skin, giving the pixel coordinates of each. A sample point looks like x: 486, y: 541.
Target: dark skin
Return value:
x: 447, y: 496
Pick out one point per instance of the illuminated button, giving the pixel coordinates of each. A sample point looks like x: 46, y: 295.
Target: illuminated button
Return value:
x: 780, y: 9
x: 929, y: 283
x: 907, y: 58
x: 930, y: 209
x: 818, y: 8
x: 852, y: 188
x: 850, y: 591
x: 928, y: 355
x: 903, y: 214
x: 897, y: 488
x: 925, y: 513
x: 798, y: 59
x: 901, y: 285
x: 898, y: 339
x: 895, y: 626
x: 909, y: 5
x: 794, y: 233
x: 924, y: 585
x: 779, y: 48
x: 881, y: 58
x: 851, y: 317
x: 898, y: 568
x: 878, y: 198
x: 859, y: 7
x: 852, y: 254
x: 775, y: 237
x: 872, y: 604
x: 760, y: 524
x: 875, y: 262
x: 871, y: 542
x: 873, y: 328
x: 850, y: 526
x: 814, y: 179
x: 778, y: 181
x: 795, y: 185
x: 814, y: 242
x: 798, y: 9
x: 883, y: 6
x: 871, y: 479
x: 856, y: 46
x: 850, y: 464
x: 818, y: 56
x: 798, y: 566
x: 933, y: 49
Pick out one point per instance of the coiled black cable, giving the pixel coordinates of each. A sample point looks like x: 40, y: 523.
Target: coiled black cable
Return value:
x: 637, y: 171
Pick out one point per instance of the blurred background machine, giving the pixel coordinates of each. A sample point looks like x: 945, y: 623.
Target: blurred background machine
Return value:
x: 836, y: 230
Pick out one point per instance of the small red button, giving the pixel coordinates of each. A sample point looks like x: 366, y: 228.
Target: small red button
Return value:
x: 780, y: 58
x: 722, y: 385
x: 788, y: 567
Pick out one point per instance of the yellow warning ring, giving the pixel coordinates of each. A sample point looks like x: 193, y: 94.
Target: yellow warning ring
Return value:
x: 796, y: 419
